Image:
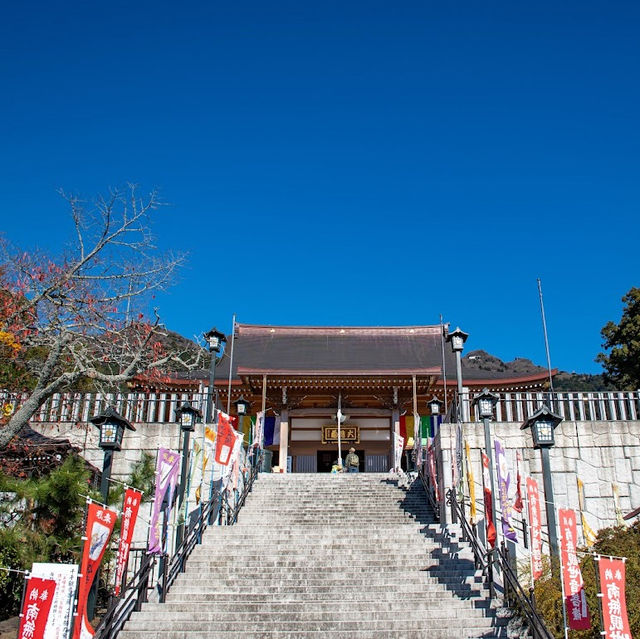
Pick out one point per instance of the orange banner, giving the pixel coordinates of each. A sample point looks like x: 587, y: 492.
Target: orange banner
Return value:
x: 130, y: 506
x: 100, y: 522
x: 225, y: 439
x: 488, y: 502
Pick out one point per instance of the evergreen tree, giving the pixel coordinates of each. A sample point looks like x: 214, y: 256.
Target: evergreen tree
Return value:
x: 622, y: 363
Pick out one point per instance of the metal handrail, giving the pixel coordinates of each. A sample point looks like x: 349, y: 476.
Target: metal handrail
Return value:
x: 481, y: 557
x: 428, y: 488
x: 513, y: 591
x: 135, y: 590
x: 133, y: 596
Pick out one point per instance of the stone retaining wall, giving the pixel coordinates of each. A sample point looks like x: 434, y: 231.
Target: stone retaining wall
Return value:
x: 601, y: 454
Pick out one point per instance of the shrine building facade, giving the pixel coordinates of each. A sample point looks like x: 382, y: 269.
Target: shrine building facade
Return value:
x: 379, y: 378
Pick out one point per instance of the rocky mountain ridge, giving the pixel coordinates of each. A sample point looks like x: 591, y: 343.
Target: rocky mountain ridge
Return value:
x: 480, y: 360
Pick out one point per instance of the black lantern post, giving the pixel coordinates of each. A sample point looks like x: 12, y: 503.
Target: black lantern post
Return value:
x: 485, y: 404
x: 457, y: 339
x: 187, y: 416
x: 111, y: 426
x: 242, y: 410
x: 435, y: 406
x: 542, y: 424
x: 242, y: 406
x: 216, y: 341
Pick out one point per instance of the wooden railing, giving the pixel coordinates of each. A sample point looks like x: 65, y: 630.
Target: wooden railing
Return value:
x: 158, y: 408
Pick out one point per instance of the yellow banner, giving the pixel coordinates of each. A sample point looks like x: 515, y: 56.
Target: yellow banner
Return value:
x: 471, y: 484
x: 587, y: 531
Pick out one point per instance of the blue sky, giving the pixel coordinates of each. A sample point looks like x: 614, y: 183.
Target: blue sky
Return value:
x: 346, y: 163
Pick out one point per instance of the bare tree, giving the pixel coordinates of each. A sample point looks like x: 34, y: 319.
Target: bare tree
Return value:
x: 83, y: 314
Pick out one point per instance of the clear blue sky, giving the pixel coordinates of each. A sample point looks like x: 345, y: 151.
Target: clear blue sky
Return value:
x: 346, y: 162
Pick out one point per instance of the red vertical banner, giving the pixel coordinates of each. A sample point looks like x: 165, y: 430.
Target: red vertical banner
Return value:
x: 575, y: 598
x: 535, y: 527
x: 130, y: 506
x: 614, y: 603
x: 225, y: 439
x: 35, y: 609
x: 100, y: 523
x: 488, y: 501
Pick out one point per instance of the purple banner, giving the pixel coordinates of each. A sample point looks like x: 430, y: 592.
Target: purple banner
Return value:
x: 166, y: 479
x: 504, y: 479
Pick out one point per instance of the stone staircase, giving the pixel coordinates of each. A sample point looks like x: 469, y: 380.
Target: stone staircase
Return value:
x: 326, y: 556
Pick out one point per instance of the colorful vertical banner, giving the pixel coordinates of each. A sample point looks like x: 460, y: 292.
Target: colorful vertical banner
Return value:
x: 407, y: 430
x: 167, y: 467
x: 535, y: 527
x: 488, y: 501
x: 614, y: 602
x: 258, y: 437
x: 271, y: 425
x: 62, y: 606
x: 398, y: 447
x: 459, y: 483
x: 575, y: 598
x: 225, y: 439
x: 130, y: 507
x: 473, y: 515
x: 430, y: 427
x: 244, y: 427
x: 587, y: 532
x: 504, y: 480
x: 431, y: 463
x: 418, y: 440
x: 38, y: 596
x: 100, y: 523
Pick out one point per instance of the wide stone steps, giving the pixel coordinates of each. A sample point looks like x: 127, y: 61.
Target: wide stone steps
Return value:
x: 327, y: 556
x: 417, y: 631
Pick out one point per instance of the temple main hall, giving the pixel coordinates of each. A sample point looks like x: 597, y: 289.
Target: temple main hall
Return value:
x: 380, y: 378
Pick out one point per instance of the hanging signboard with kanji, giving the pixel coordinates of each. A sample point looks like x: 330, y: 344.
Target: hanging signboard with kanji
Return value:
x: 348, y: 434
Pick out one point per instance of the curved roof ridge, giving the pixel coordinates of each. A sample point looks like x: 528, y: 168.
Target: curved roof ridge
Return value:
x: 266, y: 329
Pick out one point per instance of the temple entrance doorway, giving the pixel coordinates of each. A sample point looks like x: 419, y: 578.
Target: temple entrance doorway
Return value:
x: 327, y: 457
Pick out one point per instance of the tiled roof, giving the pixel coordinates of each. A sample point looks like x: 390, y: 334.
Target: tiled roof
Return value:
x: 332, y: 350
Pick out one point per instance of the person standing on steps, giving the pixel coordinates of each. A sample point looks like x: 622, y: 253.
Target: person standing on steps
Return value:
x: 352, y: 461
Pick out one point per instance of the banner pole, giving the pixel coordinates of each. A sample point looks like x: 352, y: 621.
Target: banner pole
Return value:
x: 564, y: 601
x: 27, y: 576
x: 233, y: 339
x: 596, y: 565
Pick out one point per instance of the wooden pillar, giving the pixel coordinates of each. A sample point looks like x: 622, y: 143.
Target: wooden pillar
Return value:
x: 395, y: 430
x: 284, y: 440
